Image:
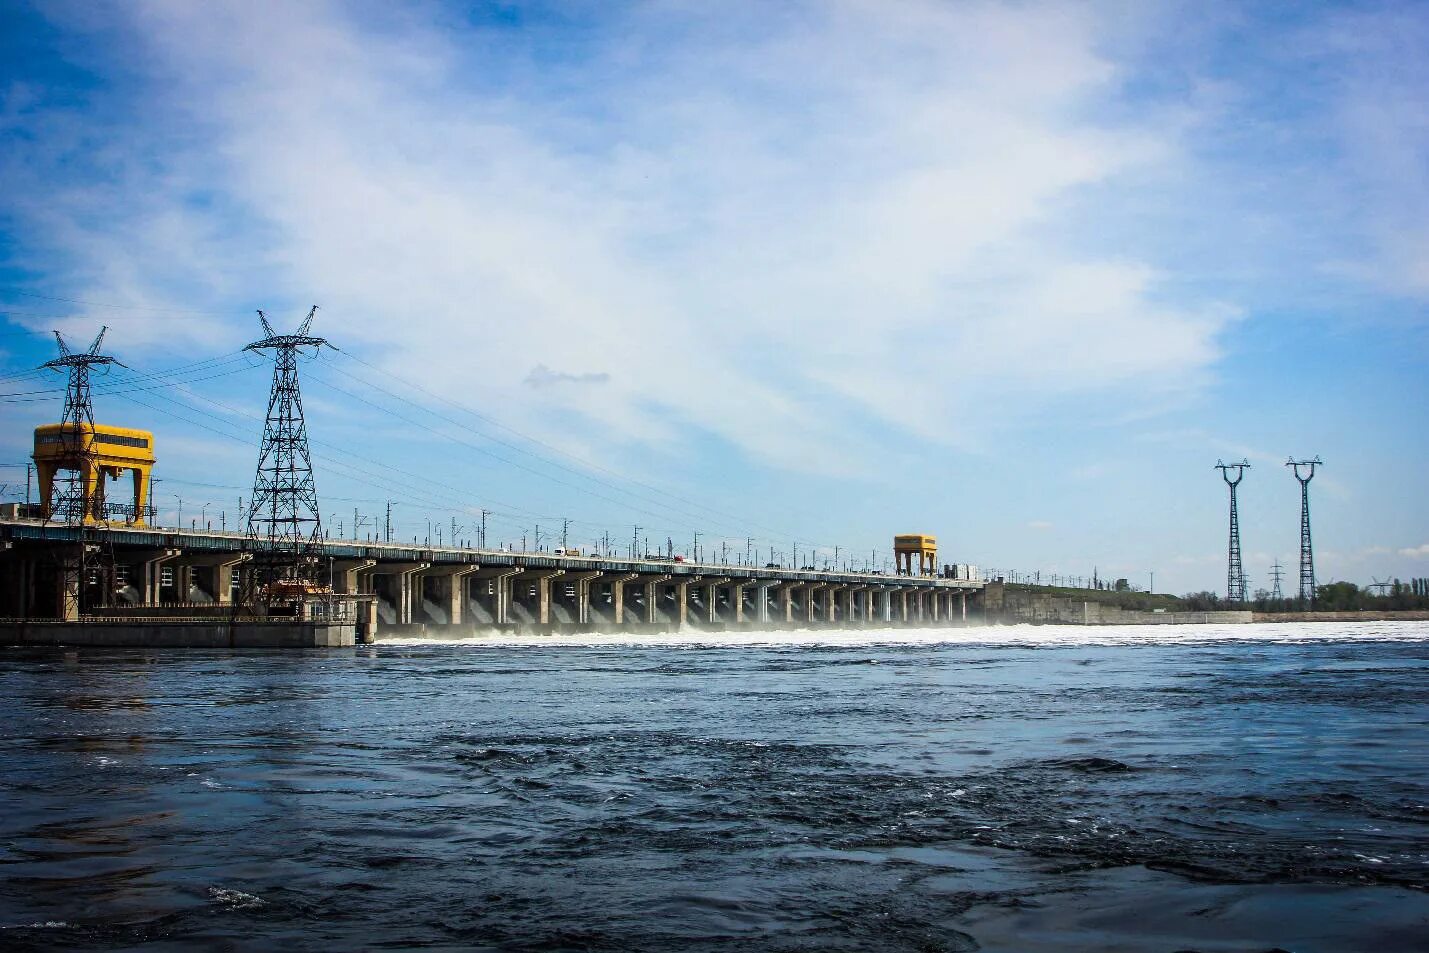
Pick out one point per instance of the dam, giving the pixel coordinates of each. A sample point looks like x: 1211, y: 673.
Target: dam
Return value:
x: 79, y: 568
x: 126, y: 577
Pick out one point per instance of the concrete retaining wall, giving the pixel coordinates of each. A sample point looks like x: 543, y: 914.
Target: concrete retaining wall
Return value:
x: 165, y: 634
x: 1389, y: 615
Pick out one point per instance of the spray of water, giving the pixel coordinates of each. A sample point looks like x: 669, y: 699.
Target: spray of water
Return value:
x: 1009, y: 635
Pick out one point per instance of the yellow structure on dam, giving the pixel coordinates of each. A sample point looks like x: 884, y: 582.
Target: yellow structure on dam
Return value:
x: 95, y: 453
x: 923, y: 546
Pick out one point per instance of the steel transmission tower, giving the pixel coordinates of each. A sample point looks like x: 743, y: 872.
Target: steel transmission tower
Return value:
x: 1276, y: 573
x: 1235, y: 571
x: 1307, y: 551
x: 284, y: 508
x: 78, y: 420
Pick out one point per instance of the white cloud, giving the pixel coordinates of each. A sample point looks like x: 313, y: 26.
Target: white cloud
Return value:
x: 762, y: 227
x: 1416, y: 552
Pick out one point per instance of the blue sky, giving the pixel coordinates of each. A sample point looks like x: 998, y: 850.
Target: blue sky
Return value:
x: 1014, y: 274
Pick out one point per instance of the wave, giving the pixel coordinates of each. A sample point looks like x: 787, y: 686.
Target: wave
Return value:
x: 1021, y: 636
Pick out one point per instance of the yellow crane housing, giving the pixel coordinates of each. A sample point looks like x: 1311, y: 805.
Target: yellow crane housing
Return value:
x: 923, y: 546
x: 96, y: 452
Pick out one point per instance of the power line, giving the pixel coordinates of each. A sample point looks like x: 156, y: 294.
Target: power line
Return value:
x: 117, y: 307
x: 775, y: 533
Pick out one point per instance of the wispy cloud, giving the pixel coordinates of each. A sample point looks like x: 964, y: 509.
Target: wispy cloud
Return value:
x: 799, y: 213
x: 543, y: 376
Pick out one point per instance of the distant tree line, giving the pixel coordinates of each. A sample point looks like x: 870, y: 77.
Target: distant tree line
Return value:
x: 1331, y: 597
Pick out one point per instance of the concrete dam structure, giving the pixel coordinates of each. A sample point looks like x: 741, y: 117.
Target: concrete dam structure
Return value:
x: 125, y: 576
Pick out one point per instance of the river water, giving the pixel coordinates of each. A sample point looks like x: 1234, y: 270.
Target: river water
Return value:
x: 1017, y: 788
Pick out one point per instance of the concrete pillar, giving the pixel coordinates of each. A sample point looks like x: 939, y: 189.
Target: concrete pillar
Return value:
x: 403, y: 576
x: 345, y: 573
x: 736, y: 599
x: 68, y: 580
x: 651, y: 583
x: 583, y: 581
x: 682, y: 599
x: 857, y: 599
x: 215, y: 568
x: 831, y: 605
x: 452, y: 595
x: 617, y: 595
x: 811, y: 594
x: 963, y: 604
x: 762, y: 615
x: 711, y: 594
x: 500, y: 580
x: 152, y: 560
x: 542, y: 578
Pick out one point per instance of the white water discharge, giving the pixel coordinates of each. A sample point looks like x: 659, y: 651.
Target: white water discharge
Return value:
x: 1013, y: 635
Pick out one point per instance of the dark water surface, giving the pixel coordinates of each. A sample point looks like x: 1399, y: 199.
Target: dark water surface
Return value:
x: 1227, y: 796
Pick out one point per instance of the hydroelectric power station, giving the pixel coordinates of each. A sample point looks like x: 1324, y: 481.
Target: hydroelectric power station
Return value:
x: 80, y: 570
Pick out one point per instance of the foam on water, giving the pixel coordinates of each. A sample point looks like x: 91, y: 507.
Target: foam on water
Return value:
x: 1009, y: 635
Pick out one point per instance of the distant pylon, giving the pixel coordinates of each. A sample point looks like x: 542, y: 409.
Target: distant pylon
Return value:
x: 1235, y: 571
x: 1276, y: 572
x: 72, y: 502
x: 1307, y: 550
x: 284, y: 509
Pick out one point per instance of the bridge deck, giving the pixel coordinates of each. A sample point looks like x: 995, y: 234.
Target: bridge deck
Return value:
x: 13, y: 531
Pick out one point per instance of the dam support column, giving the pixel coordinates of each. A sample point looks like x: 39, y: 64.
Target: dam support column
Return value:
x: 617, y: 595
x: 402, y: 585
x: 652, y: 597
x: 541, y: 610
x: 499, y: 580
x: 649, y: 584
x: 68, y: 566
x: 153, y: 572
x: 223, y: 576
x: 219, y: 569
x: 857, y: 613
x: 710, y: 589
x: 451, y: 586
x: 583, y: 581
x: 811, y: 600
x: 761, y: 605
x: 736, y: 601
x: 682, y: 599
x: 346, y: 573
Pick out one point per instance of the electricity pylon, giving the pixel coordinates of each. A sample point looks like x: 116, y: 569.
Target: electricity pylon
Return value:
x: 1307, y: 550
x: 72, y: 501
x: 1276, y: 573
x: 284, y: 509
x: 1235, y: 571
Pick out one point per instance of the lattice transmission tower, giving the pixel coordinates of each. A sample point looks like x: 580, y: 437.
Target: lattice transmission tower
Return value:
x: 284, y: 509
x: 1235, y: 570
x: 1307, y: 550
x: 72, y: 500
x: 1277, y: 572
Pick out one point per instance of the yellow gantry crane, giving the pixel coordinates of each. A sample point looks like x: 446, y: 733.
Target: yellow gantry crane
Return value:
x: 921, y: 545
x: 93, y: 453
